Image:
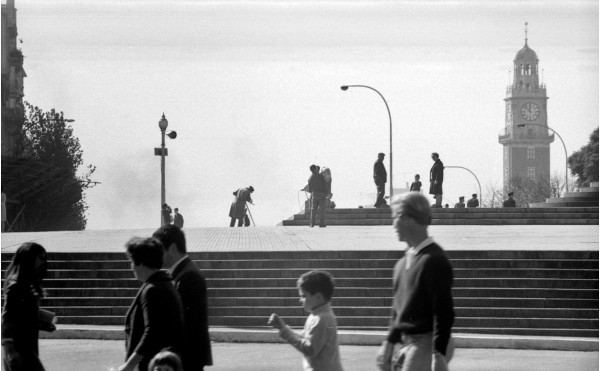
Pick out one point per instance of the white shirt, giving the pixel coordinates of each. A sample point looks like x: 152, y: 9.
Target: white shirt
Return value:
x: 413, y: 251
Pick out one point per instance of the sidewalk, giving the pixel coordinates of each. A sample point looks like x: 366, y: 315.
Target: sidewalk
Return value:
x: 97, y: 355
x: 346, y: 337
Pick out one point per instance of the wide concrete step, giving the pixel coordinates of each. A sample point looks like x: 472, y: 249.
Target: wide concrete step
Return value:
x: 559, y: 203
x: 76, y: 276
x: 335, y: 255
x: 541, y: 214
x: 346, y: 311
x: 383, y: 321
x: 363, y: 263
x: 465, y: 221
x: 586, y: 198
x: 583, y: 194
x: 483, y: 302
x: 565, y: 332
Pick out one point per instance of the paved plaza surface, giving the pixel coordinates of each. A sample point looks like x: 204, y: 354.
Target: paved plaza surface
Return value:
x: 451, y: 237
x: 104, y: 355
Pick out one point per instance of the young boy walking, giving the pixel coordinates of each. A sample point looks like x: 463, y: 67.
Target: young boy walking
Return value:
x: 318, y: 341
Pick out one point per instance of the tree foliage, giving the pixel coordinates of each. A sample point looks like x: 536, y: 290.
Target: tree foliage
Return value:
x: 527, y: 191
x: 584, y: 163
x: 49, y: 139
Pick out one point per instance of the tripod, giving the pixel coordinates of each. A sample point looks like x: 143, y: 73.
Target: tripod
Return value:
x: 250, y: 214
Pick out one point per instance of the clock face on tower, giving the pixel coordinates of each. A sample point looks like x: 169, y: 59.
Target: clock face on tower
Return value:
x: 530, y: 111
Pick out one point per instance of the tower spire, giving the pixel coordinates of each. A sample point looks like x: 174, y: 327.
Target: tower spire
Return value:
x: 526, y: 33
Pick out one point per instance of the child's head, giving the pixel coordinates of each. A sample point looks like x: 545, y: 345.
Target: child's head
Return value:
x: 165, y: 361
x: 417, y: 177
x: 315, y: 288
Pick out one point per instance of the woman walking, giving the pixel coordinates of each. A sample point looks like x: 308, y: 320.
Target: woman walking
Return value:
x: 20, y: 314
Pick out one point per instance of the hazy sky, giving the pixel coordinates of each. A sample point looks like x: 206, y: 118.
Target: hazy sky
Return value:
x: 253, y: 90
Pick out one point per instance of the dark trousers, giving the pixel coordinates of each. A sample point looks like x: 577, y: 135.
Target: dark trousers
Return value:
x: 380, y: 194
x: 318, y: 202
x: 240, y: 222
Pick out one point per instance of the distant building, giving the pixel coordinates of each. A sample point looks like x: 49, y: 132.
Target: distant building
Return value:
x: 525, y: 137
x: 12, y: 82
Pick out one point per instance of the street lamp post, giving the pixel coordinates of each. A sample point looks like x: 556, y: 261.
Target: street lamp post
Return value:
x: 345, y: 87
x: 460, y: 167
x: 162, y: 152
x: 564, y: 147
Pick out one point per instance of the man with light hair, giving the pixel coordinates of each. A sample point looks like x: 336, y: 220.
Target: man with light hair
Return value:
x: 423, y: 312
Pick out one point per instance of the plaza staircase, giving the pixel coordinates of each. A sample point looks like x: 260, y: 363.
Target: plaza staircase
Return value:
x: 551, y: 293
x: 584, y: 198
x: 535, y: 215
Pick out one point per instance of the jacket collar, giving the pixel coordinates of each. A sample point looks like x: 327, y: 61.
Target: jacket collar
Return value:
x: 179, y: 266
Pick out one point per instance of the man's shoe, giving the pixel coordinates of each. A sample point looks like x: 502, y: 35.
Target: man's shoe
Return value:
x: 322, y: 226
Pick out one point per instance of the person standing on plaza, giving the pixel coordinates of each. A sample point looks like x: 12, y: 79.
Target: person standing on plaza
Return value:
x: 154, y: 322
x: 178, y: 219
x: 380, y: 178
x: 318, y: 342
x: 436, y: 178
x: 510, y: 202
x: 416, y: 185
x: 461, y: 203
x: 238, y: 206
x: 20, y: 313
x: 473, y: 202
x: 317, y: 186
x: 191, y: 286
x: 423, y: 311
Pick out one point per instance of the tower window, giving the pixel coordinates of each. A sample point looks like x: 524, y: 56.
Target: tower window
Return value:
x: 506, y: 153
x: 531, y: 152
x: 531, y: 173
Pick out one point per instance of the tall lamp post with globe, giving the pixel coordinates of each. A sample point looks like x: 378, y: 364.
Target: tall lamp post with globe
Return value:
x: 162, y: 152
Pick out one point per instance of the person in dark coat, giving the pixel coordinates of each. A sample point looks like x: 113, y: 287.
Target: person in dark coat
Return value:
x: 20, y: 314
x: 238, y: 206
x: 178, y: 219
x: 317, y: 186
x: 436, y: 178
x: 154, y: 321
x: 191, y: 287
x: 473, y: 202
x: 510, y: 202
x: 416, y: 185
x: 380, y: 178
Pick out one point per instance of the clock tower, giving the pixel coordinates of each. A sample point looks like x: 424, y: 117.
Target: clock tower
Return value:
x: 525, y: 138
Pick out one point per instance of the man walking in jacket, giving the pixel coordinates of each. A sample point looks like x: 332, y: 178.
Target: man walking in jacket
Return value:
x: 191, y: 286
x: 423, y: 312
x: 380, y: 178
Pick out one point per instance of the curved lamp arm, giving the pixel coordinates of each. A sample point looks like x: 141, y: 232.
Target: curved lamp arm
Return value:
x: 460, y: 167
x: 345, y: 87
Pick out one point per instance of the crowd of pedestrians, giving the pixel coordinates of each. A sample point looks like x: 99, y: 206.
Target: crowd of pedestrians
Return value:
x: 166, y: 326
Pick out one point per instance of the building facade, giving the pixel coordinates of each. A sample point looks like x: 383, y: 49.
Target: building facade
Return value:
x: 525, y: 137
x: 12, y: 82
